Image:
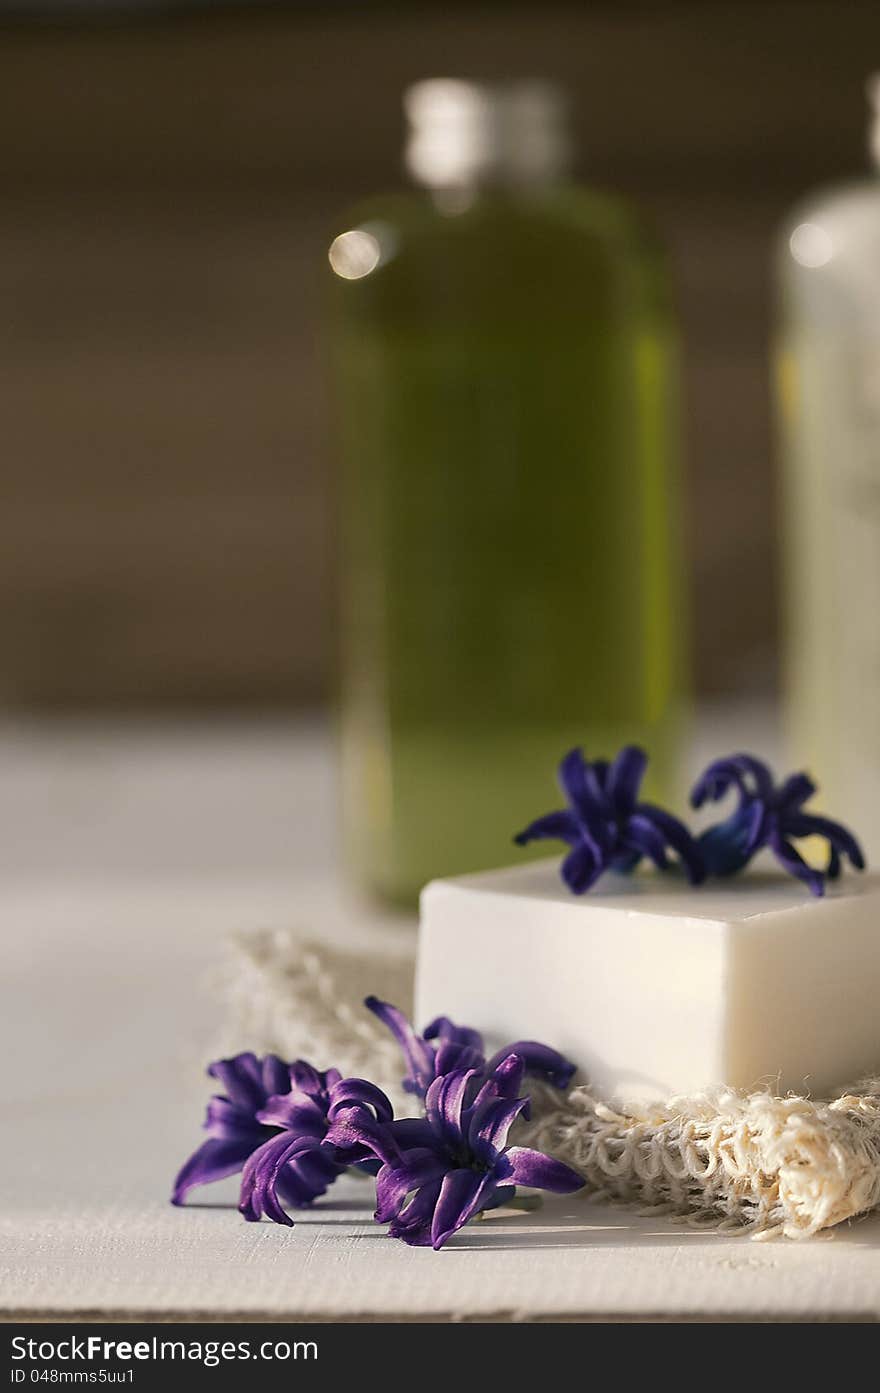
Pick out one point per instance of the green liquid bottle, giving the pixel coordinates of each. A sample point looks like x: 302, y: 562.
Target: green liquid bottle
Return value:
x: 505, y: 360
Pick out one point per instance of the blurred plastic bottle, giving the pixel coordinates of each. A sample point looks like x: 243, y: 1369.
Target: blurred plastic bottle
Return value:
x: 506, y: 389
x: 829, y: 395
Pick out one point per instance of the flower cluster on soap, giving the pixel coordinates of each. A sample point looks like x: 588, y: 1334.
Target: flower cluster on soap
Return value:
x: 608, y: 827
x: 292, y: 1130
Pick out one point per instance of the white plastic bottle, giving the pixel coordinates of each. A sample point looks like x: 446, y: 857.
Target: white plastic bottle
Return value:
x: 828, y: 382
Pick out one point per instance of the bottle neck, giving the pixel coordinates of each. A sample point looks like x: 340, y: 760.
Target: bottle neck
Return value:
x: 465, y: 137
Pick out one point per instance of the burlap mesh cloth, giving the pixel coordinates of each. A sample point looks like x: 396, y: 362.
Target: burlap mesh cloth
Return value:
x: 745, y: 1162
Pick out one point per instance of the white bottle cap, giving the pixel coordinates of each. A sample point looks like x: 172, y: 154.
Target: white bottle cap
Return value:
x: 467, y: 133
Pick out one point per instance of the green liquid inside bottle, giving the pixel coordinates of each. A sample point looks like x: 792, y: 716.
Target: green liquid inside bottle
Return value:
x: 510, y: 579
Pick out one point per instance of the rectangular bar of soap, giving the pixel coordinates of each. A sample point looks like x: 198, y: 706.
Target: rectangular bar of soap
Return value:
x: 654, y: 988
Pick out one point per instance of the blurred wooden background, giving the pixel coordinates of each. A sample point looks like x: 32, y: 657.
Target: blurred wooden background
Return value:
x: 168, y: 187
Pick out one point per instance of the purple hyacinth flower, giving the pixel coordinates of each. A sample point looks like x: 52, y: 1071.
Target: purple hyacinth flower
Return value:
x: 768, y: 815
x: 316, y: 1141
x: 439, y: 1172
x: 607, y: 826
x: 444, y: 1047
x: 231, y: 1119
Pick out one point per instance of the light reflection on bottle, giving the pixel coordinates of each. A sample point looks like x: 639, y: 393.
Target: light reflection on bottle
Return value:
x: 811, y: 245
x: 354, y: 254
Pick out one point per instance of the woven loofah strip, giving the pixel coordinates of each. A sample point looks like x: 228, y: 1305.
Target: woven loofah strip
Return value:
x: 722, y: 1159
x: 304, y: 1000
x: 725, y: 1159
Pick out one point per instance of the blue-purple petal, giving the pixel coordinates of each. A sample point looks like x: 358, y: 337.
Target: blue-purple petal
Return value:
x: 601, y: 772
x: 580, y: 870
x: 445, y: 1101
x: 394, y: 1182
x: 257, y: 1196
x: 561, y: 826
x: 411, y: 1132
x: 358, y: 1137
x: 838, y: 836
x: 360, y: 1093
x: 295, y: 1112
x: 300, y: 1168
x: 792, y: 861
x: 644, y: 838
x: 413, y: 1223
x: 490, y: 1124
x: 539, y: 1061
x: 305, y: 1078
x: 463, y: 1194
x: 223, y: 1118
x: 214, y: 1160
x: 307, y: 1176
x: 794, y: 792
x: 625, y: 776
x: 242, y: 1079
x: 579, y: 784
x: 540, y: 1172
x: 419, y: 1055
x: 736, y: 770
x: 677, y: 836
x: 445, y: 1030
x: 505, y: 1078
x: 275, y: 1075
x: 451, y: 1056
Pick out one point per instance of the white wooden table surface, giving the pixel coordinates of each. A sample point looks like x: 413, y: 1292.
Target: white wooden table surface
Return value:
x: 127, y: 855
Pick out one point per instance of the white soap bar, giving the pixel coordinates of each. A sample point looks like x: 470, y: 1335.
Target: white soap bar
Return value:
x: 654, y: 988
